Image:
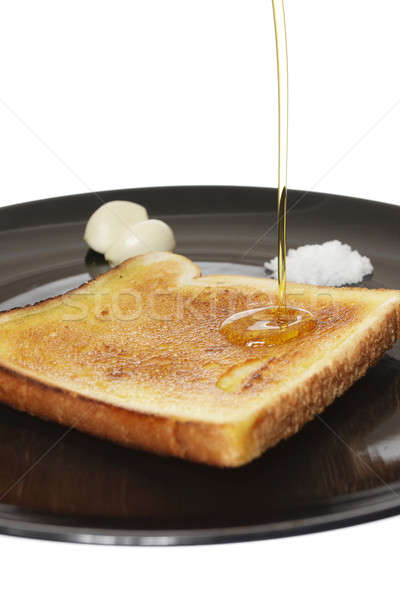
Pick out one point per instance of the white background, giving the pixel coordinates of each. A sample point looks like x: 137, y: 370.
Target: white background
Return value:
x: 110, y: 94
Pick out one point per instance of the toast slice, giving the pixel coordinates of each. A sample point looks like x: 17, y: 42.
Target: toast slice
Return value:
x: 136, y: 356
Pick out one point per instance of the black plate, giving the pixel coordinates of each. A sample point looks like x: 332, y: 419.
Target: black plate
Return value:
x: 342, y: 472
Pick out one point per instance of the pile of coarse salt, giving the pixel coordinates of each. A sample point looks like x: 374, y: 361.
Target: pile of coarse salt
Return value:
x: 331, y: 263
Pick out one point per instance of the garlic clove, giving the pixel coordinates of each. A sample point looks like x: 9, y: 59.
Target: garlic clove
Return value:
x: 148, y: 236
x: 109, y: 222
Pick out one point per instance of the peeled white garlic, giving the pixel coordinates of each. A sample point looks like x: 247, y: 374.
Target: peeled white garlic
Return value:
x: 148, y: 236
x: 110, y: 222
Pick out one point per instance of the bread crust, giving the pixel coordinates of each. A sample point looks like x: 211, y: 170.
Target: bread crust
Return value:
x: 192, y: 440
x: 319, y: 390
x: 223, y: 445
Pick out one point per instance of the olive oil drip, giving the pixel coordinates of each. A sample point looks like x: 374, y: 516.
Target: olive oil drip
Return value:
x: 270, y: 325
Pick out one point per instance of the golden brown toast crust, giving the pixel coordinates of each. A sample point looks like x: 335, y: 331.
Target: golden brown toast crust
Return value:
x: 230, y: 441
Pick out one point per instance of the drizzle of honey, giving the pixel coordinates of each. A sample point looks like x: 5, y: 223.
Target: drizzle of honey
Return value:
x: 211, y: 364
x: 271, y: 325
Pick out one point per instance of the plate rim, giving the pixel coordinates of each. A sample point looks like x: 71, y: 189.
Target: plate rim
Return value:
x: 194, y: 537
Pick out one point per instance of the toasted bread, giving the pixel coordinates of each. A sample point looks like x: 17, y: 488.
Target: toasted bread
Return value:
x: 136, y: 356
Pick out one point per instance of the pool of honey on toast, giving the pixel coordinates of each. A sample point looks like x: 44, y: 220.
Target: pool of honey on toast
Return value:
x: 268, y: 325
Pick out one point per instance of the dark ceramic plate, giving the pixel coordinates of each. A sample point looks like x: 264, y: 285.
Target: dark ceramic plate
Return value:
x: 331, y: 474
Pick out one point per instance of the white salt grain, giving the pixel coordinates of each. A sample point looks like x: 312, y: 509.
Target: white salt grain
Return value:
x: 331, y: 263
